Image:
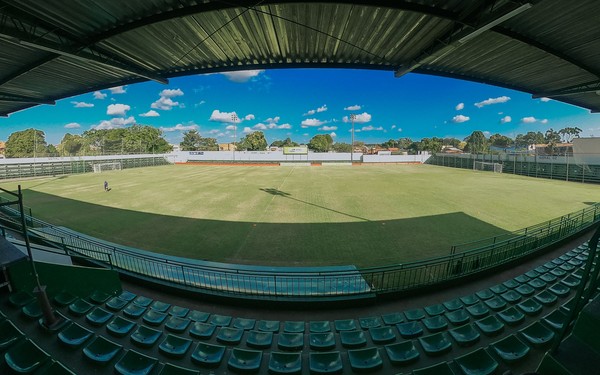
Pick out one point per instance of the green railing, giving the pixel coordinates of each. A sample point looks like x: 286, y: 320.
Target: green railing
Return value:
x: 315, y: 284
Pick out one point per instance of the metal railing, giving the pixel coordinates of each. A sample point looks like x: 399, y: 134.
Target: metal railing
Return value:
x: 319, y: 282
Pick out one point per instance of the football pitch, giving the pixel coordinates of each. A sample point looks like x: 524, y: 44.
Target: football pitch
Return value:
x: 300, y: 216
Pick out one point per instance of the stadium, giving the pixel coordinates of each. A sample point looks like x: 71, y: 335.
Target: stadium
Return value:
x: 293, y: 261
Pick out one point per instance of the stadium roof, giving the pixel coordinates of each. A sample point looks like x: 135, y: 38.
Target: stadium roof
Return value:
x: 54, y: 49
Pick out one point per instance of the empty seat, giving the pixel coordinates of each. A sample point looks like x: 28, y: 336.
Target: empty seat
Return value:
x: 291, y: 341
x: 177, y: 324
x: 116, y: 303
x: 160, y: 306
x: 392, y: 318
x: 174, y: 346
x: 285, y: 363
x: 382, y: 335
x: 268, y: 326
x: 548, y: 278
x: 410, y: 330
x: 179, y: 311
x: 495, y: 303
x: 458, y: 317
x: 478, y: 310
x: 208, y: 355
x: 322, y: 341
x: 145, y: 337
x: 25, y: 357
x: 452, y: 305
x: 370, y: 322
x: 511, y: 296
x: 498, y: 289
x: 99, y: 297
x: 431, y: 310
x: 365, y: 360
x: 478, y: 362
x: 134, y: 311
x: 485, y: 294
x: 9, y: 334
x: 64, y: 298
x: 353, y: 339
x: 402, y: 353
x: 198, y: 316
x: 154, y: 318
x: 546, y: 298
x: 98, y: 316
x: 74, y: 335
x: 511, y: 284
x: 243, y: 323
x: 537, y: 335
x: 525, y: 290
x: 231, y: 336
x: 532, y: 274
x: 244, y: 360
x: 259, y: 339
x: 558, y: 272
x: 119, y: 326
x: 101, y: 350
x: 32, y: 310
x: 571, y: 282
x: 344, y: 325
x: 80, y: 307
x: 20, y: 298
x: 127, y: 296
x: 511, y: 316
x: 220, y: 320
x: 436, y: 344
x: 510, y: 349
x: 530, y: 307
x: 134, y: 363
x: 490, y: 325
x: 319, y: 326
x: 537, y: 283
x: 143, y: 301
x: 202, y: 330
x: 435, y: 323
x: 465, y: 335
x: 560, y: 290
x: 555, y: 320
x: 522, y: 279
x: 293, y: 327
x: 437, y: 369
x: 325, y: 363
x: 170, y: 369
x: 469, y: 300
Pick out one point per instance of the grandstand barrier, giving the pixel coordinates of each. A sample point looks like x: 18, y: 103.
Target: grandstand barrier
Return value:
x: 315, y: 283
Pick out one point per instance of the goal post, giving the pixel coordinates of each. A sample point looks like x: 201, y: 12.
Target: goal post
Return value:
x: 104, y: 167
x: 487, y: 166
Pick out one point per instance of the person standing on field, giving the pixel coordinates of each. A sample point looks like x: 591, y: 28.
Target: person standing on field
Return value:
x: 105, y: 185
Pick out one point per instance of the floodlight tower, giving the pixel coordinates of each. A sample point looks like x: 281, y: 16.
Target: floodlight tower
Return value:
x: 352, y: 118
x: 234, y: 119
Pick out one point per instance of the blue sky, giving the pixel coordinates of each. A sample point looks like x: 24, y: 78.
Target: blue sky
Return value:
x: 299, y: 103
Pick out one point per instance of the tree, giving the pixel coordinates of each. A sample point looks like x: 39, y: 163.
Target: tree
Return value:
x: 71, y: 144
x: 531, y: 138
x: 254, y: 141
x: 21, y: 144
x: 501, y: 141
x: 135, y: 139
x: 404, y: 143
x: 342, y: 147
x: 285, y: 143
x: 51, y: 151
x: 390, y: 144
x: 476, y: 143
x: 321, y: 143
x: 552, y: 137
x: 567, y: 134
x: 432, y: 145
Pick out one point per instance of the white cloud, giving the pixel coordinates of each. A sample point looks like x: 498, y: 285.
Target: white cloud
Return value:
x: 200, y: 103
x: 247, y: 130
x: 544, y: 99
x: 355, y: 107
x: 99, y: 95
x: 179, y: 127
x: 393, y: 126
x: 117, y: 109
x: 150, y: 113
x: 310, y: 112
x: 273, y: 120
x: 82, y: 105
x: 487, y: 133
x: 72, y: 125
x: 360, y: 118
x: 231, y: 127
x: 226, y: 117
x: 370, y: 128
x: 333, y: 135
x: 242, y: 75
x: 171, y: 93
x: 118, y: 90
x: 260, y: 126
x: 328, y: 128
x: 505, y: 119
x: 249, y: 117
x: 531, y: 120
x: 490, y: 101
x: 459, y: 106
x: 214, y: 131
x: 114, y: 123
x: 322, y: 108
x: 544, y: 121
x: 312, y: 122
x: 164, y: 103
x: 305, y: 134
x: 284, y: 126
x: 399, y: 129
x: 460, y: 118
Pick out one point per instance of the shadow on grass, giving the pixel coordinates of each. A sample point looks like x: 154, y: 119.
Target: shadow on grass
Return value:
x: 362, y: 243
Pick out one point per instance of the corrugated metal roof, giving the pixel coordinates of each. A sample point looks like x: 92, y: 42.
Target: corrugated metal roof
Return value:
x: 55, y: 49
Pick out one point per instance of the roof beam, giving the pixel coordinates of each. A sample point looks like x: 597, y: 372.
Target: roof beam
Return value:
x: 585, y: 88
x: 24, y: 99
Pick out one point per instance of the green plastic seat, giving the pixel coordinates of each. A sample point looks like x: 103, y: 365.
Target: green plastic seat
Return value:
x: 532, y: 274
x: 436, y: 344
x: 134, y: 311
x: 99, y: 297
x: 154, y: 318
x: 410, y: 330
x: 198, y: 316
x: 127, y: 296
x: 231, y: 336
x: 560, y: 290
x: 80, y: 307
x: 243, y: 323
x: 522, y: 279
x: 538, y: 284
x: 64, y: 298
x: 319, y: 326
x: 579, y: 273
x: 478, y: 310
x: 465, y: 335
x: 382, y: 335
x: 120, y: 327
x: 116, y: 303
x: 525, y: 290
x: 558, y: 272
x: 511, y: 296
x: 452, y: 305
x: 549, y: 265
x: 392, y: 318
x: 548, y: 278
x: 259, y: 339
x: 179, y: 311
x: 285, y: 363
x: 322, y: 341
x: 244, y: 360
x: 571, y: 282
x: 490, y: 325
x: 435, y: 323
x: 325, y: 363
x: 208, y: 355
x: 134, y: 363
x: 510, y: 349
x: 402, y: 353
x: 291, y: 341
x: 98, y: 316
x: 431, y: 310
x: 344, y: 325
x: 546, y: 298
x: 202, y: 331
x: 511, y: 316
x: 143, y: 301
x: 268, y: 326
x: 370, y: 322
x: 293, y: 327
x: 530, y: 307
x: 541, y: 270
x: 101, y: 350
x: 54, y: 368
x: 145, y: 337
x: 20, y: 298
x: 437, y: 369
x: 353, y: 339
x: 177, y: 324
x: 414, y: 314
x: 469, y: 300
x: 9, y: 334
x: 537, y: 335
x: 558, y: 261
x: 220, y: 320
x: 32, y: 310
x: 485, y: 294
x: 478, y: 362
x: 74, y: 335
x: 511, y: 284
x: 555, y: 320
x: 498, y: 289
x: 495, y: 303
x: 171, y: 369
x: 175, y: 346
x: 25, y: 357
x: 160, y: 306
x: 458, y: 317
x: 365, y: 360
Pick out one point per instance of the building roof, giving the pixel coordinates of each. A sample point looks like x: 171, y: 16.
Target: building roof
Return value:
x: 54, y: 49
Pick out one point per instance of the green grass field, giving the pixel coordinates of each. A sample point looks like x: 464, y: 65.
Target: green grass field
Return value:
x: 363, y: 215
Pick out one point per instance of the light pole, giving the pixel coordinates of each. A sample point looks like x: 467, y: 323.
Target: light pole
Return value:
x: 234, y: 119
x: 352, y: 118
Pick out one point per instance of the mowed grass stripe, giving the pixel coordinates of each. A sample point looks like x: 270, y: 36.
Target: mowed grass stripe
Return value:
x: 363, y: 215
